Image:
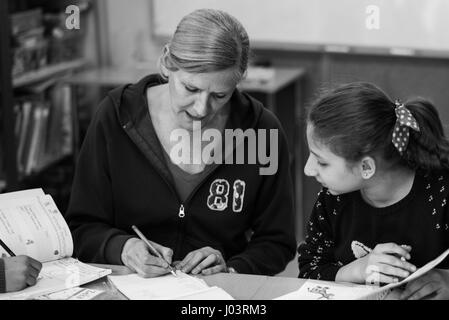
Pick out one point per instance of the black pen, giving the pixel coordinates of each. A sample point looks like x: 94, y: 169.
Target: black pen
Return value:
x: 12, y: 254
x: 152, y: 249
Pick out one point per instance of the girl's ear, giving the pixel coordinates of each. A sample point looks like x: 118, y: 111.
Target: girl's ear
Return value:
x: 368, y: 168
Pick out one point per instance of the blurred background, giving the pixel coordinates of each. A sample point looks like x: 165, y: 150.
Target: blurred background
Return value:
x: 59, y: 58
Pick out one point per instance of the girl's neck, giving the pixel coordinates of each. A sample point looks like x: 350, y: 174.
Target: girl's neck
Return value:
x: 388, y: 187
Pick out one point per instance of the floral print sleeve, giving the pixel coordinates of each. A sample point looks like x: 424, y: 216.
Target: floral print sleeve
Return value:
x: 316, y: 258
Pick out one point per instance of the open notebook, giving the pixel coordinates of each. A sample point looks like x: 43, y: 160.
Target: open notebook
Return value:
x: 326, y: 290
x: 31, y: 224
x: 167, y: 287
x: 382, y: 292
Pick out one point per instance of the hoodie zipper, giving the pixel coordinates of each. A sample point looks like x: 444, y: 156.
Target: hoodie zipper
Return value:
x: 181, y: 212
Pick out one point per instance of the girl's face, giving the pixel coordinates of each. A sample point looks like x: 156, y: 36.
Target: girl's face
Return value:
x: 330, y: 170
x: 199, y: 96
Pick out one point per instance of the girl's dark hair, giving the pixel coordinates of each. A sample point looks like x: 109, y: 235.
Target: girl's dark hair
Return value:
x: 357, y: 119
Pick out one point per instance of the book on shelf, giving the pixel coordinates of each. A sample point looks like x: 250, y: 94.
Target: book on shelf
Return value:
x: 31, y: 224
x: 25, y: 109
x: 44, y: 126
x: 36, y: 138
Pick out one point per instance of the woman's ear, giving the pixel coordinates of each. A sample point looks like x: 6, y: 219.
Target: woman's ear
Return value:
x: 367, y: 167
x: 164, y: 61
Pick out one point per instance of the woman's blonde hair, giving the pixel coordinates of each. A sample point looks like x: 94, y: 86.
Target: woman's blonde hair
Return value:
x: 207, y: 40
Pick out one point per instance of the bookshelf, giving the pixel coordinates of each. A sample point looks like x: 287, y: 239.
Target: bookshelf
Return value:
x: 46, y: 72
x: 38, y: 121
x: 9, y: 174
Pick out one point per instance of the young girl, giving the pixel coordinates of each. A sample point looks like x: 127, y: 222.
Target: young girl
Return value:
x: 383, y: 211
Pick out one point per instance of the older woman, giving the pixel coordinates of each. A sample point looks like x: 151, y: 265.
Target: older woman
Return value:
x: 200, y: 209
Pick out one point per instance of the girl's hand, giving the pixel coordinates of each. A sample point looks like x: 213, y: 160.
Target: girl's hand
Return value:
x: 383, y: 265
x: 432, y: 285
x: 137, y: 257
x: 21, y: 272
x: 205, y: 261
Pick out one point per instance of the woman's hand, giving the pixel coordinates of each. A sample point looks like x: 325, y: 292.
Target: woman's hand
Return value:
x: 432, y: 285
x: 382, y: 265
x: 20, y: 272
x: 137, y: 257
x: 205, y: 261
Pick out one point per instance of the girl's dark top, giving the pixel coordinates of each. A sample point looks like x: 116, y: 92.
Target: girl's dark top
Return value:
x: 343, y: 228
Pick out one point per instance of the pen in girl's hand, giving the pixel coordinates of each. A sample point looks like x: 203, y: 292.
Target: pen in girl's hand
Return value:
x: 7, y: 248
x: 406, y: 257
x: 152, y: 249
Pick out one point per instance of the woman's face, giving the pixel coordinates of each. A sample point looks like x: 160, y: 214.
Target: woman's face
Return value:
x: 199, y: 96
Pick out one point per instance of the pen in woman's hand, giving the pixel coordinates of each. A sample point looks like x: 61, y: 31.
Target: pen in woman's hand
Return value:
x: 152, y: 249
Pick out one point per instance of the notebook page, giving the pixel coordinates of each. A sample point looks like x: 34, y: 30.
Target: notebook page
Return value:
x: 382, y: 292
x: 35, y: 227
x: 326, y: 290
x: 30, y: 193
x: 212, y: 293
x: 168, y: 286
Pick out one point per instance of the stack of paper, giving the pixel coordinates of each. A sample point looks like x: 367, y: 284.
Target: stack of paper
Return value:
x: 76, y: 293
x: 167, y: 287
x: 259, y: 74
x: 56, y: 276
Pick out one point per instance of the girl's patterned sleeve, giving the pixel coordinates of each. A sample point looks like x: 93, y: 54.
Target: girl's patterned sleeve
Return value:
x: 316, y: 255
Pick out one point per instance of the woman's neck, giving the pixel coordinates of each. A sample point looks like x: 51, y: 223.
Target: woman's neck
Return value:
x: 389, y: 187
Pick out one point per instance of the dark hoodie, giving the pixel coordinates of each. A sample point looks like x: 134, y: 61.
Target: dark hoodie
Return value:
x: 122, y: 180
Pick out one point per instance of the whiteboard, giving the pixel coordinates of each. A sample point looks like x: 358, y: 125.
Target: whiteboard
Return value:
x: 399, y: 26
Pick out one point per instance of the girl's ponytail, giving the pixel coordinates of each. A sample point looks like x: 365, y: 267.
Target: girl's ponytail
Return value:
x: 428, y: 149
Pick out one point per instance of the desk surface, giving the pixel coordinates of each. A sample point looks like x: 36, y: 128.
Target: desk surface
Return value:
x: 113, y: 77
x: 239, y: 286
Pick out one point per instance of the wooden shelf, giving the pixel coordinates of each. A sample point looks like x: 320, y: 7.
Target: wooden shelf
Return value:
x: 46, y: 72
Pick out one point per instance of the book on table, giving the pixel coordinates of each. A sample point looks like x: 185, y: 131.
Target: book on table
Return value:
x: 328, y: 290
x: 32, y: 225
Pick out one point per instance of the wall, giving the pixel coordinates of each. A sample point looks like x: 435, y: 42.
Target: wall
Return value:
x: 129, y: 34
x: 368, y: 25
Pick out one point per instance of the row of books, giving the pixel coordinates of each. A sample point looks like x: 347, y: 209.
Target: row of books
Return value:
x: 44, y: 127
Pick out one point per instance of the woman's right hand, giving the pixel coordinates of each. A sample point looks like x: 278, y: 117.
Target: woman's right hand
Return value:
x: 382, y: 265
x: 21, y: 272
x: 137, y: 257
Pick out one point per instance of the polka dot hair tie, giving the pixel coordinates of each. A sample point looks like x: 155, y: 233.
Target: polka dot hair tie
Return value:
x: 404, y: 121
